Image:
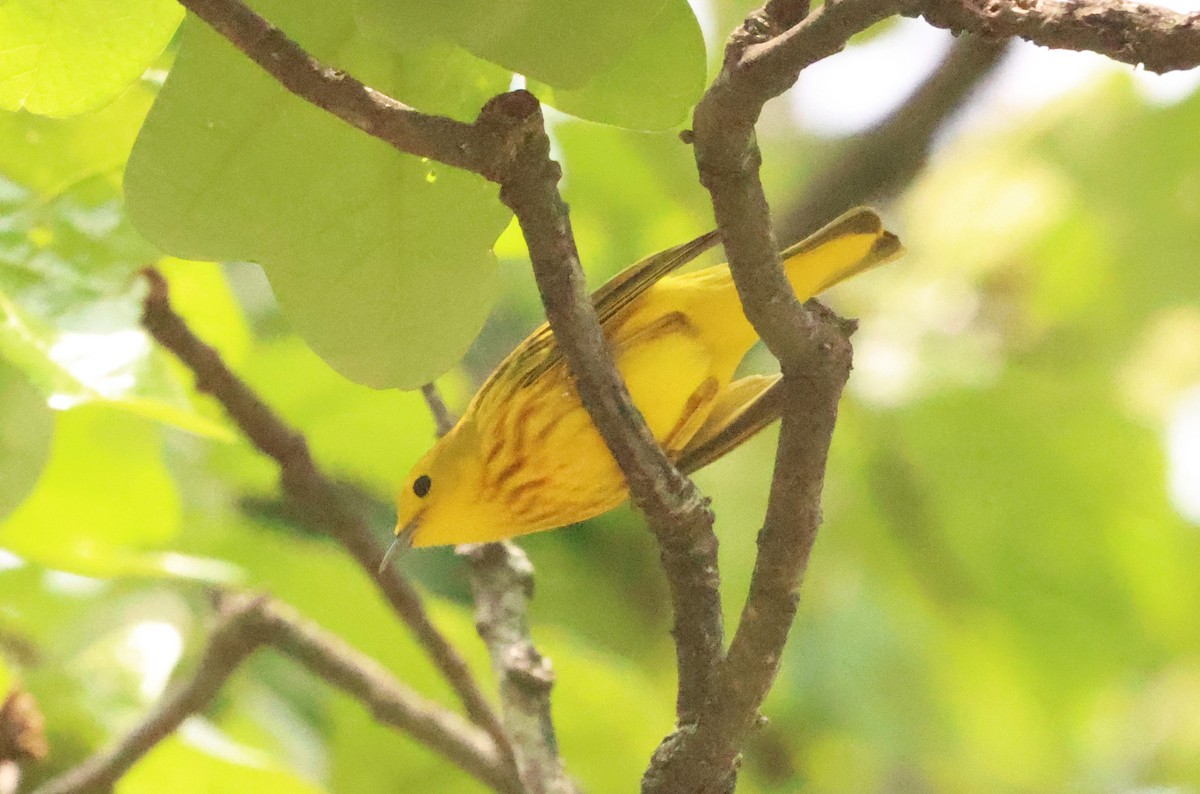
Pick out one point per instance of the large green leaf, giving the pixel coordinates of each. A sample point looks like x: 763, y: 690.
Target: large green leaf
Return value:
x: 639, y: 65
x: 26, y: 427
x: 104, y: 496
x: 652, y: 86
x: 62, y: 57
x: 588, y: 38
x: 380, y: 261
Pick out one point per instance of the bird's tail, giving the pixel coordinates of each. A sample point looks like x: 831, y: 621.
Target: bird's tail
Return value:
x: 849, y: 245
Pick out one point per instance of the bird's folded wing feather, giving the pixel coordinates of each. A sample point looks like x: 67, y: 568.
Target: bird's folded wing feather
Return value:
x: 745, y: 407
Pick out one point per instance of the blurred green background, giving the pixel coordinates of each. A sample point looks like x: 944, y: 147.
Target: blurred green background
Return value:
x: 1003, y: 596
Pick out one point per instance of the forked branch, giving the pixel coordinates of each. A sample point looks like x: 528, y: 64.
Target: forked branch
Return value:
x: 506, y: 144
x: 718, y: 696
x: 762, y: 60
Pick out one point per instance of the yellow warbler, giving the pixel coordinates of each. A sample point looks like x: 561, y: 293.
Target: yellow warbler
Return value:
x: 525, y: 456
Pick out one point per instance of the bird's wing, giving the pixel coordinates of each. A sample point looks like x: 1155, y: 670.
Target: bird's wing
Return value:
x: 539, y: 352
x: 745, y: 407
x: 628, y: 285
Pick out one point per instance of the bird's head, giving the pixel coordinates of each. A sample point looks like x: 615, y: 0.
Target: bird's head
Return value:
x: 440, y: 500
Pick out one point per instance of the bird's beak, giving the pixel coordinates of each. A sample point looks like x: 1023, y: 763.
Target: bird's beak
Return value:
x: 400, y: 545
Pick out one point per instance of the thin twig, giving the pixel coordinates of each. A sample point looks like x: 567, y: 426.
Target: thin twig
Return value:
x: 389, y: 701
x: 502, y: 583
x: 878, y: 164
x: 247, y: 623
x: 443, y: 419
x: 303, y: 482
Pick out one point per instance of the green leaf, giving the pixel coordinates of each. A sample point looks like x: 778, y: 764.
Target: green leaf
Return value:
x: 104, y: 495
x: 638, y: 65
x: 48, y: 155
x: 653, y: 86
x: 26, y: 427
x: 509, y: 34
x: 380, y: 261
x: 366, y: 435
x: 62, y: 57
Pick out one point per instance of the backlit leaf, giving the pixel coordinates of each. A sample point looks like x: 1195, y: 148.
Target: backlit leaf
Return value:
x: 380, y: 261
x: 62, y: 57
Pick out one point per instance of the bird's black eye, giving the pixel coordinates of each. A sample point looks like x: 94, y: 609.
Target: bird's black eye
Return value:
x: 421, y: 485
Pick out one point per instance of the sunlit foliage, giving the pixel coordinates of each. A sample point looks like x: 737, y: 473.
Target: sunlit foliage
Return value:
x: 1003, y: 594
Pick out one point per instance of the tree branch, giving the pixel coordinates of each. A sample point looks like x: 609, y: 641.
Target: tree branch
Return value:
x: 436, y: 137
x: 1130, y: 32
x: 389, y: 701
x: 246, y: 623
x: 762, y: 60
x: 880, y: 162
x: 303, y: 482
x: 504, y: 145
x: 1159, y: 39
x: 676, y: 511
x: 502, y: 582
x: 507, y: 144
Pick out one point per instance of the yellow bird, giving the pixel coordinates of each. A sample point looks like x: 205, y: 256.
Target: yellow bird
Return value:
x: 525, y: 456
